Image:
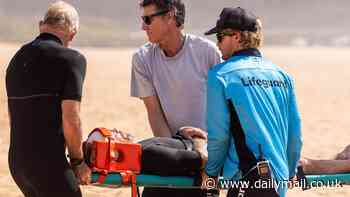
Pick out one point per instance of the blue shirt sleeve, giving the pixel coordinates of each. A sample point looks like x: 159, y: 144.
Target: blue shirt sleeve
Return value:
x: 218, y: 121
x: 294, y: 134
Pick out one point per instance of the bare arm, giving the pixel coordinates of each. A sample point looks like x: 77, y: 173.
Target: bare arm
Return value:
x: 156, y: 117
x: 72, y: 128
x: 73, y: 137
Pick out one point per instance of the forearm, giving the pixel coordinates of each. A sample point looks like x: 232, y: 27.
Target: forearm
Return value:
x: 218, y: 122
x: 159, y: 125
x: 73, y: 135
x: 156, y: 117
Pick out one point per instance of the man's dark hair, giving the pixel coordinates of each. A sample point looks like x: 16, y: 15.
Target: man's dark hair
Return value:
x: 177, y: 5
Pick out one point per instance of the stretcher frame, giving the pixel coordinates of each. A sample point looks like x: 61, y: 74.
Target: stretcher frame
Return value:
x: 116, y: 179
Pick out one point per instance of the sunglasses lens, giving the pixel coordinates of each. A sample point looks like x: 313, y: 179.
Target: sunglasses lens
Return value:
x: 147, y: 20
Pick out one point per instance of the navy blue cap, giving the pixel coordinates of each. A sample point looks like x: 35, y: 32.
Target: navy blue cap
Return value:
x: 235, y: 18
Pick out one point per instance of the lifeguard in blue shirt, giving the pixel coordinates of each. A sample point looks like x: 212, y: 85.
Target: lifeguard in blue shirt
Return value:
x: 254, y: 130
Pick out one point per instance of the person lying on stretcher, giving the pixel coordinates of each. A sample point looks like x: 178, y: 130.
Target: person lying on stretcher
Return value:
x: 340, y: 164
x: 181, y: 155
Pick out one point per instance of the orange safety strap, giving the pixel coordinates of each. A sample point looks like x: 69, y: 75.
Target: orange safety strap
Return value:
x: 101, y: 179
x: 129, y: 178
x: 106, y: 133
x: 108, y: 156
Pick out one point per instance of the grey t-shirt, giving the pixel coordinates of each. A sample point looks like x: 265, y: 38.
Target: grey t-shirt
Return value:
x: 180, y: 81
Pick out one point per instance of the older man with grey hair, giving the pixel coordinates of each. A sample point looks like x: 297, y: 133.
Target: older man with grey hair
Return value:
x: 44, y: 83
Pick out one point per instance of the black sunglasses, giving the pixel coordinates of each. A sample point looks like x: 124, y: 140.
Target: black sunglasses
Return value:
x: 148, y: 19
x: 220, y: 36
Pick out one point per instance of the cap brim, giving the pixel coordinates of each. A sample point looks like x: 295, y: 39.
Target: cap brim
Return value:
x: 212, y: 31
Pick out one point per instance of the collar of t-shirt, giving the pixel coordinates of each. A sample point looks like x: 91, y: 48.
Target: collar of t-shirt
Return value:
x: 247, y: 52
x: 179, y: 53
x: 48, y: 36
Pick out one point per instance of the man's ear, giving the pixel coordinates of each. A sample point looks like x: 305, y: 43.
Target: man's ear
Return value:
x: 72, y: 35
x: 41, y: 23
x: 171, y: 15
x: 237, y: 36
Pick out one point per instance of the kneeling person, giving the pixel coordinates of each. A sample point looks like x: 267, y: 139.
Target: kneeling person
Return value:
x: 253, y: 121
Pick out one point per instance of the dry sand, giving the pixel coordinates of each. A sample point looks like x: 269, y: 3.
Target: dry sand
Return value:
x: 322, y: 78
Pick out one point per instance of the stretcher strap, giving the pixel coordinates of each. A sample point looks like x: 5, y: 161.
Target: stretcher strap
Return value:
x: 102, y: 177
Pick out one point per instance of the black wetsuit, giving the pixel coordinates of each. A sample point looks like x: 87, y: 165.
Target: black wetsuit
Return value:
x: 38, y: 78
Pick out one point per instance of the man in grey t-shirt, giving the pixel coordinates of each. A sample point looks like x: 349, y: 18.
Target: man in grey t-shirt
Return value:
x: 170, y: 73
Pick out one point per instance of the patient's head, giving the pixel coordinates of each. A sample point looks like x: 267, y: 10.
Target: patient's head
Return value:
x: 116, y: 136
x: 104, y: 135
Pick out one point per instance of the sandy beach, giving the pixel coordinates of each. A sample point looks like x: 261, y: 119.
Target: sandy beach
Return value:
x: 322, y: 77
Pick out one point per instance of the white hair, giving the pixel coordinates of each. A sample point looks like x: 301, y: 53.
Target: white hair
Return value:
x: 62, y: 15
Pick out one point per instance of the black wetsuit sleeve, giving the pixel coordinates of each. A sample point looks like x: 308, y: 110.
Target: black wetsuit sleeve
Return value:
x: 74, y: 78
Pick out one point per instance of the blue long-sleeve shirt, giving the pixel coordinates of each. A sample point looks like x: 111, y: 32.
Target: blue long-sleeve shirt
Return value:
x: 263, y: 97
